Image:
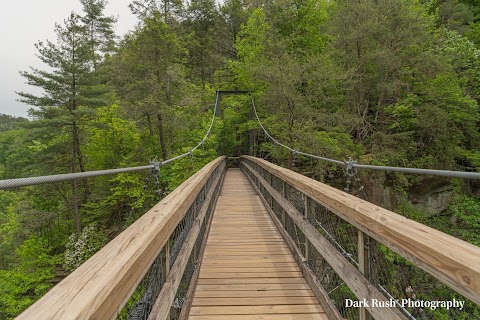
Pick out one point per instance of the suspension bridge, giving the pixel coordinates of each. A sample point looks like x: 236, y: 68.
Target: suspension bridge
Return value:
x: 246, y: 239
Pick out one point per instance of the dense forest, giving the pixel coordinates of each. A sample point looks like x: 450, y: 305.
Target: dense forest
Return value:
x: 387, y: 82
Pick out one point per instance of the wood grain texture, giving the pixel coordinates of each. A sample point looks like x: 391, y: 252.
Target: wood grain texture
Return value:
x: 247, y: 271
x: 452, y: 261
x: 284, y: 316
x: 331, y: 310
x: 354, y: 279
x: 187, y: 303
x: 161, y: 308
x: 101, y: 286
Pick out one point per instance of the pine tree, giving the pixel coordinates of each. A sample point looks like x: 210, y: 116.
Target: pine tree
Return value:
x: 100, y: 28
x: 70, y: 85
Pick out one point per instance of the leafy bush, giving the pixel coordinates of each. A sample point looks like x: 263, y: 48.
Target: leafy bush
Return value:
x: 79, y: 250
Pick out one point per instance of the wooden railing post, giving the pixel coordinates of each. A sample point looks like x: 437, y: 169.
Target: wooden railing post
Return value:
x: 307, y: 214
x: 194, y: 219
x: 167, y: 258
x: 271, y: 197
x: 363, y: 266
x: 284, y: 213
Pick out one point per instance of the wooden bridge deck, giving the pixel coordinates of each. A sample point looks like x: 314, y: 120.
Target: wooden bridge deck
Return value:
x: 247, y: 270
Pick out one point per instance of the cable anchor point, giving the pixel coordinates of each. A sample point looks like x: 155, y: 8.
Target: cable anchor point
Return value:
x: 351, y: 170
x: 156, y: 164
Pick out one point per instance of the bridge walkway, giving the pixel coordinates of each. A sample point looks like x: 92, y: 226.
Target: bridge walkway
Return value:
x: 247, y: 271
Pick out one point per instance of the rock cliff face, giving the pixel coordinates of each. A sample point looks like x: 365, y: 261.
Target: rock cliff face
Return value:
x: 379, y: 191
x: 431, y: 195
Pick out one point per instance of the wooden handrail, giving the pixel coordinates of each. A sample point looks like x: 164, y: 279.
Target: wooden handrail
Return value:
x: 100, y: 287
x: 452, y: 261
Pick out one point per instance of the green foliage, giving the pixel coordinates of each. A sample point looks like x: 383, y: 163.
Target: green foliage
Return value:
x: 77, y: 251
x: 403, y: 114
x: 8, y: 122
x: 250, y: 46
x: 388, y: 82
x: 113, y: 141
x: 465, y: 209
x: 9, y: 228
x: 29, y: 280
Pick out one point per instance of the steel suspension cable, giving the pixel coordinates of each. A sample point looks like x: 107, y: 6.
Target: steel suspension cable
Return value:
x: 353, y: 164
x: 154, y: 165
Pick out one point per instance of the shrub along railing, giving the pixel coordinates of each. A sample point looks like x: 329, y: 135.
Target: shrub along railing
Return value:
x: 352, y: 250
x: 145, y: 272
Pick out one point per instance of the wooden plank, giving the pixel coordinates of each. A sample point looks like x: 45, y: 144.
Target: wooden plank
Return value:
x: 279, y: 258
x: 452, y: 261
x: 247, y: 264
x: 247, y: 256
x: 354, y: 279
x: 273, y: 309
x: 256, y: 249
x: 238, y: 275
x: 262, y: 287
x: 240, y: 246
x: 283, y: 316
x: 233, y: 269
x: 251, y: 280
x: 252, y: 301
x: 251, y: 293
x: 101, y: 286
x: 248, y: 252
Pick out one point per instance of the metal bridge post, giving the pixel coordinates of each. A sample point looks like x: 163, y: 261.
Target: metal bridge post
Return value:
x: 363, y: 266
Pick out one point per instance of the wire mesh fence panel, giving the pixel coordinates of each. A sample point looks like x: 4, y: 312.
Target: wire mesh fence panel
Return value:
x: 193, y: 260
x: 414, y: 289
x: 295, y: 197
x: 333, y: 285
x: 180, y: 233
x: 277, y: 184
x: 182, y: 290
x: 141, y: 302
x: 277, y: 209
x: 337, y: 231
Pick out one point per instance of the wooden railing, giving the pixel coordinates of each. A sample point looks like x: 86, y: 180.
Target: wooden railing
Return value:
x: 143, y: 267
x: 342, y: 241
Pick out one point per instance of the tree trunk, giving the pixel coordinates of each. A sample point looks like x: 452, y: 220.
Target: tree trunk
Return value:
x: 78, y: 150
x: 76, y: 212
x: 149, y: 123
x: 161, y: 136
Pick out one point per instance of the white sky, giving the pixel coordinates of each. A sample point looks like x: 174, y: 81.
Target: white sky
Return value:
x: 22, y: 24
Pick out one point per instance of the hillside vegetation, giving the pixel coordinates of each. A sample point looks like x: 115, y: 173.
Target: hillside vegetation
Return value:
x: 387, y: 82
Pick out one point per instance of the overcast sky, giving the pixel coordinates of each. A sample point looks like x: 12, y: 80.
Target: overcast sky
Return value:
x: 22, y: 24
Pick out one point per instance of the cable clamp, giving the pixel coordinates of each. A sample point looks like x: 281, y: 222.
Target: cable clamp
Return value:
x: 351, y: 170
x: 156, y: 164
